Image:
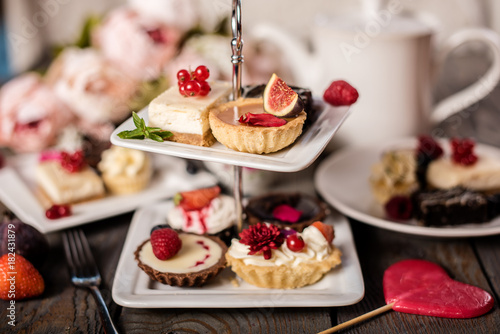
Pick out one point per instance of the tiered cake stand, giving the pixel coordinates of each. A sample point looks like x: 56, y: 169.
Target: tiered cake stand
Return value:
x: 296, y: 157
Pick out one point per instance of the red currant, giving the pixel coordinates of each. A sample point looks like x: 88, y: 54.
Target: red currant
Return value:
x: 52, y: 213
x: 182, y: 89
x: 295, y: 243
x: 64, y: 210
x: 201, y: 73
x: 205, y: 88
x: 183, y: 75
x: 192, y: 88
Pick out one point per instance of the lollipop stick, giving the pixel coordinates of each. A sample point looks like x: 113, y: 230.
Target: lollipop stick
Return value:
x: 358, y: 319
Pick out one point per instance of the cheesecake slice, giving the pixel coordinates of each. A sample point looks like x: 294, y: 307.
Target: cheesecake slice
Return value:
x: 187, y: 117
x: 63, y: 187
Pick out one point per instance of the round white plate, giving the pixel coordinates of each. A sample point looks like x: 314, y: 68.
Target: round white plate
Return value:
x: 342, y: 180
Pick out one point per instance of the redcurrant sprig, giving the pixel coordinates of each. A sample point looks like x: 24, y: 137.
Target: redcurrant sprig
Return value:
x: 194, y: 83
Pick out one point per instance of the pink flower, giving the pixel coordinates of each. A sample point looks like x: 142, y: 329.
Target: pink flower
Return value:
x: 91, y: 86
x: 139, y: 45
x: 31, y: 115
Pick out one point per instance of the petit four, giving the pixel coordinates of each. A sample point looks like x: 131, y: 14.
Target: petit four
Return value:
x: 124, y: 170
x: 194, y: 260
x: 65, y: 180
x: 266, y: 258
x: 245, y: 137
x: 435, y: 187
x: 454, y: 206
x: 187, y: 118
x: 394, y: 174
x: 204, y: 211
x: 484, y: 175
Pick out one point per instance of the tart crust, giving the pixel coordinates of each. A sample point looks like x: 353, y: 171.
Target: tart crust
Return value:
x: 284, y: 277
x: 197, y: 278
x: 254, y: 139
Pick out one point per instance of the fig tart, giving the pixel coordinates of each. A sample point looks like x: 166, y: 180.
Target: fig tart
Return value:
x: 245, y: 137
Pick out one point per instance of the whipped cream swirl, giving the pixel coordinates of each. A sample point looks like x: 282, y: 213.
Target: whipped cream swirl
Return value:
x: 122, y: 161
x: 211, y: 219
x: 317, y: 248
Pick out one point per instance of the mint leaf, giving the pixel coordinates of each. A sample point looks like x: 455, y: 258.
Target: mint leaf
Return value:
x: 137, y: 120
x: 155, y: 137
x: 142, y: 131
x: 131, y: 134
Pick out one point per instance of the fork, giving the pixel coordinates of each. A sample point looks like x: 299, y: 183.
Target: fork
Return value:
x: 84, y: 272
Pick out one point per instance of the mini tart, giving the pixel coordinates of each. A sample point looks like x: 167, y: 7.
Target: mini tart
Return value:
x: 284, y: 277
x: 260, y: 209
x: 248, y: 138
x: 192, y: 278
x: 116, y: 179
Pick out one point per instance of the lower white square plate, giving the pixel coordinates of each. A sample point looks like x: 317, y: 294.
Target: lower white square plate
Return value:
x: 18, y: 191
x: 133, y: 288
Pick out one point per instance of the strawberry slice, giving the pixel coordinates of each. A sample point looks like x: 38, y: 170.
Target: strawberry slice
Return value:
x: 196, y: 199
x: 326, y: 230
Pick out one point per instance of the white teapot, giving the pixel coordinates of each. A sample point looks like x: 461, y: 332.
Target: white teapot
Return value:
x: 391, y: 61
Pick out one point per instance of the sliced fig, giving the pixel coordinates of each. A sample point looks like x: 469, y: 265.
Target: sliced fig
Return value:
x: 280, y: 100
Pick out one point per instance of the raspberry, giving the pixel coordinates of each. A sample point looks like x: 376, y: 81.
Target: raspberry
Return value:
x: 340, y: 93
x: 166, y: 243
x: 463, y: 151
x: 399, y: 208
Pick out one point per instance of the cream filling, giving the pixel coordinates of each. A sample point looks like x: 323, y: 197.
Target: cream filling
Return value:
x: 317, y: 249
x: 64, y: 187
x: 483, y: 175
x: 197, y: 253
x: 173, y: 112
x: 122, y: 161
x: 213, y: 218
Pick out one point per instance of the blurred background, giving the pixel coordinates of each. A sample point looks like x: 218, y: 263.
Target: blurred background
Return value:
x: 48, y: 36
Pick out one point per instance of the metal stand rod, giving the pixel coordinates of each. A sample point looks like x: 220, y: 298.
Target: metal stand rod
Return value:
x: 238, y: 198
x: 237, y: 61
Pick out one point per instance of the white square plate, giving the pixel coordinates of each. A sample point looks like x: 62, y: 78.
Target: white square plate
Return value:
x: 294, y: 158
x: 133, y: 288
x: 18, y: 192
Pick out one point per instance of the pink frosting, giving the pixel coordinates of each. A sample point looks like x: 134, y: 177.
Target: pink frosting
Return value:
x: 31, y: 116
x: 139, y: 45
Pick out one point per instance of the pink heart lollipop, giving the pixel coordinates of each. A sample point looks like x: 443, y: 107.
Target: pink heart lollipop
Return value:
x: 423, y: 287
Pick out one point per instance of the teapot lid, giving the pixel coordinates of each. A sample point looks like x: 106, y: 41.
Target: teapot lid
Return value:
x: 381, y: 24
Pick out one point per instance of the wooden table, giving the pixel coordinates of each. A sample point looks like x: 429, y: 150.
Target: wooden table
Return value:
x: 66, y: 309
